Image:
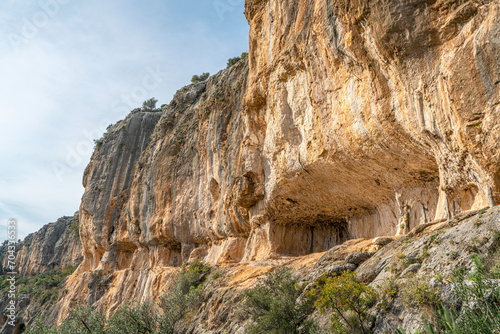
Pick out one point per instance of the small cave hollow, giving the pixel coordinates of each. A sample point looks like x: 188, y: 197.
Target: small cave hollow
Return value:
x: 301, y: 239
x: 214, y: 189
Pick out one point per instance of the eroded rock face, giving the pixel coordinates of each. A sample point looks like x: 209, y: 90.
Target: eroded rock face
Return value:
x: 163, y: 188
x: 54, y: 246
x: 107, y: 181
x: 384, y: 113
x: 350, y: 119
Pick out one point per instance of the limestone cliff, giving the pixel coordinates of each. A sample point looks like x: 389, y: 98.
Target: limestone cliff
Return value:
x: 374, y: 113
x: 159, y: 191
x: 55, y: 248
x: 350, y: 119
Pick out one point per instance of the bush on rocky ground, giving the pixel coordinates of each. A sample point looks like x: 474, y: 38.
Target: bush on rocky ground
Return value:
x: 475, y: 303
x: 233, y: 61
x: 349, y: 300
x: 277, y: 305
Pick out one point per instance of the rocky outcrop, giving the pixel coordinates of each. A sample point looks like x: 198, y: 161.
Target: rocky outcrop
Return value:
x: 107, y: 181
x: 378, y: 114
x: 55, y: 246
x: 348, y: 120
x: 431, y: 256
x: 430, y: 259
x: 161, y: 189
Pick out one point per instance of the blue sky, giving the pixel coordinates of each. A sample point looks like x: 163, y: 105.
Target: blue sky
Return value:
x: 69, y: 68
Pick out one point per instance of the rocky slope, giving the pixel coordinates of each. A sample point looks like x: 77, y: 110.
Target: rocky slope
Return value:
x: 54, y: 248
x: 428, y: 255
x: 348, y: 120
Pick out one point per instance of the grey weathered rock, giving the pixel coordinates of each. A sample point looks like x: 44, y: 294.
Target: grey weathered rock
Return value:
x: 339, y: 269
x: 386, y: 323
x: 368, y: 271
x: 434, y: 283
x: 413, y: 268
x: 382, y: 241
x: 54, y: 246
x: 358, y: 258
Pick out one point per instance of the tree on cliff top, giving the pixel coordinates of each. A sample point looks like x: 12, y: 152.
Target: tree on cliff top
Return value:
x: 200, y: 78
x: 232, y: 61
x: 149, y: 105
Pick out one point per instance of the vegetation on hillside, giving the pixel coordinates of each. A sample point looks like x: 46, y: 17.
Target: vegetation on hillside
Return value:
x: 232, y: 61
x: 41, y: 288
x: 277, y: 305
x: 176, y: 306
x: 349, y: 300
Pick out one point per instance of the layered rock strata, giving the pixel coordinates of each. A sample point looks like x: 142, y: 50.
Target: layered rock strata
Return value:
x: 55, y: 246
x: 350, y: 119
x: 376, y: 113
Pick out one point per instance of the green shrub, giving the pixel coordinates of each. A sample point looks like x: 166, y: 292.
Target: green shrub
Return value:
x: 496, y: 238
x: 83, y: 320
x: 45, y: 296
x: 216, y: 274
x: 232, y: 61
x: 276, y: 305
x: 191, y: 276
x: 40, y: 327
x: 350, y: 301
x: 200, y: 78
x: 495, y: 269
x: 387, y: 291
x: 134, y: 318
x: 185, y: 297
x: 447, y: 322
x: 98, y: 142
x: 68, y: 271
x: 416, y: 292
x: 149, y: 105
x: 74, y: 226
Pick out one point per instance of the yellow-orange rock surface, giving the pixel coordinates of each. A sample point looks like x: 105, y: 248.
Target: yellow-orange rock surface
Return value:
x: 349, y: 119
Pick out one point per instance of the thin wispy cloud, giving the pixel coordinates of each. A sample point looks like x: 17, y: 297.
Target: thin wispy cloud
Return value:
x: 65, y: 67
